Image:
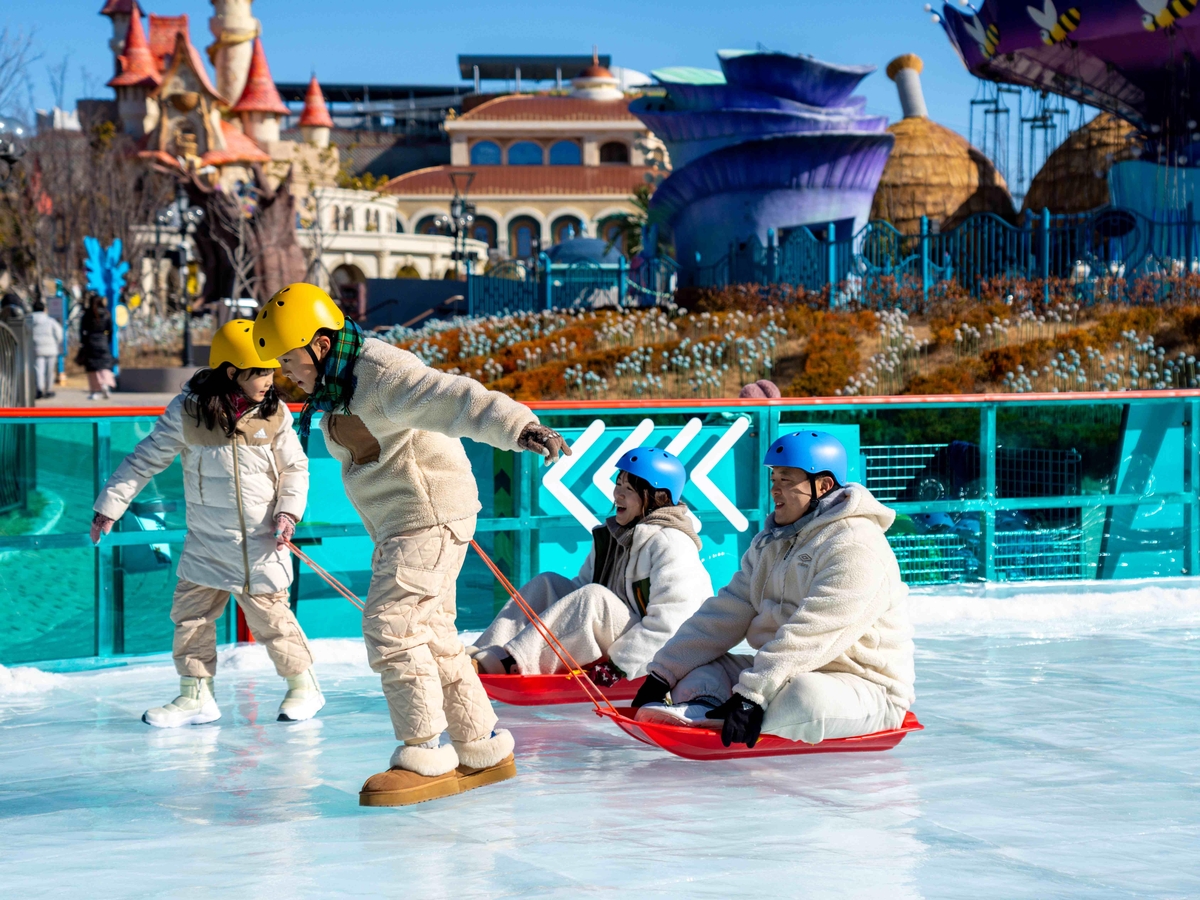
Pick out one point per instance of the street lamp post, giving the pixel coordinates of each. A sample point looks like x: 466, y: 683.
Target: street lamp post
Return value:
x: 182, y: 217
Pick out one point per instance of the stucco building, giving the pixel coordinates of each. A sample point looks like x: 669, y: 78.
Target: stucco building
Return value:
x: 540, y: 166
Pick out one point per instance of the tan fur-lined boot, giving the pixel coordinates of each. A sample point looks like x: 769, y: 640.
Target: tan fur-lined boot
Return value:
x: 485, y: 761
x: 418, y: 773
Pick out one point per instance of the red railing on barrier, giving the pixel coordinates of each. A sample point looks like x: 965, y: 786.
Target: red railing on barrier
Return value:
x: 108, y: 412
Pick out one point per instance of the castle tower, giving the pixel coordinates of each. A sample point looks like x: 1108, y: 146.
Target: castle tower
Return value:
x: 260, y: 106
x: 118, y: 12
x: 234, y: 29
x: 315, y: 121
x: 137, y: 78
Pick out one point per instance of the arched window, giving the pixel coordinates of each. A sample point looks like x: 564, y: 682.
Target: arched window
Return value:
x: 484, y: 229
x: 485, y: 153
x: 337, y: 218
x: 565, y: 228
x: 524, y: 237
x: 525, y: 153
x: 565, y: 153
x: 611, y: 232
x: 348, y: 219
x: 407, y: 271
x: 614, y: 153
x: 427, y: 225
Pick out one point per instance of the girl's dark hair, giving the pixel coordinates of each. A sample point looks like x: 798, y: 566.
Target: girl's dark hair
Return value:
x: 210, y: 394
x: 652, y: 499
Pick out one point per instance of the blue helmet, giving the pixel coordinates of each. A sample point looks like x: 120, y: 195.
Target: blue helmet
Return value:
x: 813, y: 451
x: 661, y: 469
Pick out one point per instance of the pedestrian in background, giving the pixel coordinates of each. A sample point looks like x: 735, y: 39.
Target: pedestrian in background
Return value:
x: 95, y: 347
x: 47, y: 342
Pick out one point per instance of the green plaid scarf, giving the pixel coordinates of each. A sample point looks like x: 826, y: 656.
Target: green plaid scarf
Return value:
x: 335, y: 380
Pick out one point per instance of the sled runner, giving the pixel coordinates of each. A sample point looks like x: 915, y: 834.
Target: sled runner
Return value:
x: 705, y: 743
x: 545, y: 690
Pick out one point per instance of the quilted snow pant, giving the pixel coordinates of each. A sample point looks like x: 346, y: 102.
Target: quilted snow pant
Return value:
x: 195, y: 610
x: 586, y: 620
x: 412, y: 641
x: 810, y: 707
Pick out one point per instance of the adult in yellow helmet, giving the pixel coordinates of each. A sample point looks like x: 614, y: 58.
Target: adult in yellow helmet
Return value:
x: 394, y: 423
x: 245, y: 480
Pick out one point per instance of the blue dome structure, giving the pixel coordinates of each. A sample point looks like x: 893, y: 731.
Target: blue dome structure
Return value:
x: 782, y: 143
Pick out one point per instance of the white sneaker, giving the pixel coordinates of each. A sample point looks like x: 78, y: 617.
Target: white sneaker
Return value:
x: 690, y: 714
x: 303, y: 699
x: 195, y: 705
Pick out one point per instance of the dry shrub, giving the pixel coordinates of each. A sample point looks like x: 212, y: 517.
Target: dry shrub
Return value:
x: 831, y: 355
x: 999, y: 361
x: 1110, y: 324
x: 957, y: 378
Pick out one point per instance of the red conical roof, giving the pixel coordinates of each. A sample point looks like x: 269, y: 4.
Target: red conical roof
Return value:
x: 137, y: 62
x: 316, y: 113
x: 260, y: 94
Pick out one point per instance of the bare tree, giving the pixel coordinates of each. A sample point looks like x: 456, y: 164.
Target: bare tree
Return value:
x: 16, y: 58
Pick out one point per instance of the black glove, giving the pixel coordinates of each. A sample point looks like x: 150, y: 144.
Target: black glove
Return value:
x: 544, y: 441
x: 653, y: 690
x: 743, y: 720
x: 605, y: 674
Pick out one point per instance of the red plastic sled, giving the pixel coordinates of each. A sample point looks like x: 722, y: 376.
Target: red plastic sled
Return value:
x: 545, y: 690
x: 705, y: 743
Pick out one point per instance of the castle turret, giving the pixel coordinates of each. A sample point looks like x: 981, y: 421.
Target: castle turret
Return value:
x: 260, y: 106
x: 118, y: 12
x: 315, y: 121
x: 234, y: 29
x: 137, y: 78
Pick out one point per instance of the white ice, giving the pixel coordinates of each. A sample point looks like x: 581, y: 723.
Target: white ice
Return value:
x: 1061, y: 759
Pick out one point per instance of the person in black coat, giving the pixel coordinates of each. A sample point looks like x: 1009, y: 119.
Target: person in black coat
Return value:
x: 95, y: 347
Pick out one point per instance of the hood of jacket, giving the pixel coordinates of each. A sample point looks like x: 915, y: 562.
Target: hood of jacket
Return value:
x: 851, y: 501
x: 673, y: 517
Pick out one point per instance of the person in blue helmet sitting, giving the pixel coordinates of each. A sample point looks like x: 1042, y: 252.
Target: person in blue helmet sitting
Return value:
x: 642, y: 579
x: 818, y: 597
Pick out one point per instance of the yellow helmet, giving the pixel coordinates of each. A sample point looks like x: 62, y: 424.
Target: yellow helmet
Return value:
x: 233, y: 345
x: 292, y: 318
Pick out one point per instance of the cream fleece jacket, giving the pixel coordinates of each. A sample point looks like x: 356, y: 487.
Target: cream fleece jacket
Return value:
x: 422, y: 476
x: 273, y: 473
x: 669, y: 559
x: 821, y: 595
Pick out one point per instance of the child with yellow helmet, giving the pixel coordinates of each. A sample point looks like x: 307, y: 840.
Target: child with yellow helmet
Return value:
x: 395, y: 425
x: 245, y: 480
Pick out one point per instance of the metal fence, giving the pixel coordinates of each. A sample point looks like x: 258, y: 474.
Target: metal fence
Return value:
x: 520, y: 286
x: 1101, y: 253
x: 1030, y: 487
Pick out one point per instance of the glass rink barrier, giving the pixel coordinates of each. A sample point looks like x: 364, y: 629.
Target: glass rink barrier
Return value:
x: 987, y: 488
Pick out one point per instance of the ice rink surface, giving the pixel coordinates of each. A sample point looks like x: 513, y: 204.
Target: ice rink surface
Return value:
x: 1061, y: 759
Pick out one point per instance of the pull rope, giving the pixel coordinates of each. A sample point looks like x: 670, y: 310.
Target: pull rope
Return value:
x: 325, y: 576
x: 594, y: 694
x: 564, y: 655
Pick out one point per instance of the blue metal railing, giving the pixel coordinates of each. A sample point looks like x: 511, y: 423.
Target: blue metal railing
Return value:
x: 995, y: 488
x: 519, y: 286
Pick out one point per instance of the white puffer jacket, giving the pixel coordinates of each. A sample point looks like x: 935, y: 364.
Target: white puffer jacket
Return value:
x: 47, y: 334
x: 230, y: 545
x: 821, y: 595
x: 665, y: 573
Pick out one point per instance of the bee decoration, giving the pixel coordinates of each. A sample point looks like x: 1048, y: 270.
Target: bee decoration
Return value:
x: 1055, y: 28
x: 1165, y: 13
x: 988, y: 38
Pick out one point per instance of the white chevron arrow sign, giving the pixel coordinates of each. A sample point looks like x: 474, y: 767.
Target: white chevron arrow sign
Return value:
x: 603, y: 476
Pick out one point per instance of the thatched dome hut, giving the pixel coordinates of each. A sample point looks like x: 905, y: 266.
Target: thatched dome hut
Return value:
x: 932, y: 171
x: 1075, y: 176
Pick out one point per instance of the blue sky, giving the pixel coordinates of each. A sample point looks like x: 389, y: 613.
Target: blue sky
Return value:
x: 372, y: 41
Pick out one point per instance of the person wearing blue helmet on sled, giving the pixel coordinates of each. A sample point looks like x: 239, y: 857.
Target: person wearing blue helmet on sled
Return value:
x: 641, y: 581
x: 818, y: 597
